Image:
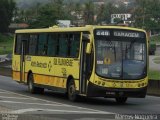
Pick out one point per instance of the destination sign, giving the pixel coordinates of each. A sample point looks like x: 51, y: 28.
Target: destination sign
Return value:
x: 119, y: 33
x: 127, y: 34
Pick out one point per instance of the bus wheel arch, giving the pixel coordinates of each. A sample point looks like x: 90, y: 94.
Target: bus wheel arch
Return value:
x: 31, y: 87
x: 71, y: 89
x: 29, y: 73
x: 30, y: 82
x: 70, y: 77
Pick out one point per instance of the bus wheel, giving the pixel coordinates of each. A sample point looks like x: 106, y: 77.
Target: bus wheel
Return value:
x: 32, y: 89
x: 71, y: 91
x: 121, y: 100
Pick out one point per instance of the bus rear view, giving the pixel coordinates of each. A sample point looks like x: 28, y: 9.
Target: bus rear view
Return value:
x: 120, y: 64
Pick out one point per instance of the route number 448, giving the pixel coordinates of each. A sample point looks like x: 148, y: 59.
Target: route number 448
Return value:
x: 102, y: 33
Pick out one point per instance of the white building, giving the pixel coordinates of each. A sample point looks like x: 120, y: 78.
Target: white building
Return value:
x: 64, y: 23
x: 124, y: 17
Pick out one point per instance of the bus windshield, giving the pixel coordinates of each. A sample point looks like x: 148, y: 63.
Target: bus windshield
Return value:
x: 120, y: 57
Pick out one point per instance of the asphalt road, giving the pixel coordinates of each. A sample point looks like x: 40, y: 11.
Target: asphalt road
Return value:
x: 17, y: 102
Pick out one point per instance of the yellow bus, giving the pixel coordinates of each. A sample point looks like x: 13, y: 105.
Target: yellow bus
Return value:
x: 92, y: 61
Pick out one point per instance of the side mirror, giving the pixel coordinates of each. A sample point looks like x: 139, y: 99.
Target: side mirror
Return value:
x: 87, y: 38
x: 89, y: 48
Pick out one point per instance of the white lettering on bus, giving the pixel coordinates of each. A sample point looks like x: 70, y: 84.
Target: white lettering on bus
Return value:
x: 64, y: 62
x: 38, y: 64
x: 126, y: 34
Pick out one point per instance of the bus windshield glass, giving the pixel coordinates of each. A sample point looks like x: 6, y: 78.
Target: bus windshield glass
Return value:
x: 120, y: 54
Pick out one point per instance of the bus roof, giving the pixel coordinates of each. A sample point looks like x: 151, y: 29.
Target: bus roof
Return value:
x: 71, y: 29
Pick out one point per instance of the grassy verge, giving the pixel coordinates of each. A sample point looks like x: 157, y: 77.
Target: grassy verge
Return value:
x: 6, y: 44
x: 155, y: 40
x: 154, y: 75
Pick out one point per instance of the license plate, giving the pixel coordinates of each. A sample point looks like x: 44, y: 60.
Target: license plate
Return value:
x: 110, y: 93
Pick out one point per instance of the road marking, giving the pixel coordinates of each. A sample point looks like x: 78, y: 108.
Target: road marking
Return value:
x: 14, y: 98
x: 32, y: 103
x: 4, y: 93
x: 34, y: 98
x: 56, y: 102
x: 21, y: 111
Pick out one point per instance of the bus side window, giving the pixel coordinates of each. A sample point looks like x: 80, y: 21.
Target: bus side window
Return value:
x: 42, y: 44
x: 74, y: 44
x: 63, y: 45
x: 18, y: 44
x: 52, y: 44
x: 33, y: 44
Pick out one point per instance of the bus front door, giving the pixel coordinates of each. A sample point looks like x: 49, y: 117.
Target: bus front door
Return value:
x: 22, y: 60
x: 83, y: 66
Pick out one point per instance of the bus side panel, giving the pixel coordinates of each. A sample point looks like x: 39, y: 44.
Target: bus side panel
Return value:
x: 16, y: 67
x: 51, y: 71
x: 50, y: 81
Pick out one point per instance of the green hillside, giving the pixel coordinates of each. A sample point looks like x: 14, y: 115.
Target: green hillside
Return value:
x: 6, y: 43
x: 155, y: 39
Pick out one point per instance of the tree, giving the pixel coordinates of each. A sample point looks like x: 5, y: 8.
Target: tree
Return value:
x: 147, y: 15
x: 89, y: 12
x: 48, y: 14
x: 7, y: 8
x: 77, y: 14
x: 45, y: 18
x: 101, y: 14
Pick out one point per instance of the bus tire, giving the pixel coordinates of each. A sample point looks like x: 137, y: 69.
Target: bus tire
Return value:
x: 71, y: 91
x: 121, y: 100
x: 32, y: 89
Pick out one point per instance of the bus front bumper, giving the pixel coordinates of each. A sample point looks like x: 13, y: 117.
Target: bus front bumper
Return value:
x: 98, y: 91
